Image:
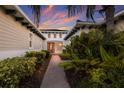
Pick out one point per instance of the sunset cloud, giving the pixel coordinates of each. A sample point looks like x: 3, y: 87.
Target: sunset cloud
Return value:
x: 48, y: 9
x: 58, y: 19
x: 60, y: 15
x: 64, y: 28
x: 53, y: 18
x: 67, y: 20
x: 60, y: 28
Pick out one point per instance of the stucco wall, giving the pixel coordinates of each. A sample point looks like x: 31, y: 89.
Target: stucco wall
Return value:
x: 52, y: 39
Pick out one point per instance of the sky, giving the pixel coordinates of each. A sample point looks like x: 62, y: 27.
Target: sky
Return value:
x: 56, y: 16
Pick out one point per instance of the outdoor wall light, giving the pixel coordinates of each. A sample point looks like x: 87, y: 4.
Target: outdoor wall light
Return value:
x: 60, y: 44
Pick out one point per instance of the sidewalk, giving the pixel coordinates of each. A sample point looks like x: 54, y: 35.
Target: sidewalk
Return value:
x: 55, y: 75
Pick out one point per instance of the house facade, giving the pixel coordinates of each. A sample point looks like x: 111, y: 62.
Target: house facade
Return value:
x: 54, y: 39
x: 17, y: 33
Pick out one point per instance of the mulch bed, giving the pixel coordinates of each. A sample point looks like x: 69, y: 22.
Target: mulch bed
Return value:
x: 36, y: 79
x: 74, y: 79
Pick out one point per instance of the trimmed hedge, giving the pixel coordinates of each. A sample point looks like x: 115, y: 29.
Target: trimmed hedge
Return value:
x: 41, y: 54
x: 12, y: 70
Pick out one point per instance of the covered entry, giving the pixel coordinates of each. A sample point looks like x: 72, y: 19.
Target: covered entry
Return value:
x: 55, y: 47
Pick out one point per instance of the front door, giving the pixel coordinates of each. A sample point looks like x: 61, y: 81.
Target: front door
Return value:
x: 51, y: 47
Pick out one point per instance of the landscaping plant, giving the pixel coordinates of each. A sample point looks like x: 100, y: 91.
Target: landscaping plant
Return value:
x: 40, y: 55
x: 12, y: 70
x: 98, y: 60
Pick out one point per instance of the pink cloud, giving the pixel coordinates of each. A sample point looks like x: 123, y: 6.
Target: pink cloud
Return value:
x: 66, y: 20
x: 64, y: 28
x: 60, y: 28
x: 48, y: 9
x: 60, y: 15
x: 58, y: 19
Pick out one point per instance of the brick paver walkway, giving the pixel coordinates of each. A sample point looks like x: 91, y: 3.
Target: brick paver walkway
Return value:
x: 54, y: 76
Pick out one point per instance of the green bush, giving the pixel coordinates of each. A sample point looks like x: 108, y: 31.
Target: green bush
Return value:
x: 12, y: 70
x: 65, y: 56
x: 47, y: 53
x: 112, y: 69
x: 38, y: 54
x: 80, y: 65
x: 100, y: 55
x: 34, y: 54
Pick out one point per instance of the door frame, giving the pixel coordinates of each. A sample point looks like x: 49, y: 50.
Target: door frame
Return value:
x: 51, y: 44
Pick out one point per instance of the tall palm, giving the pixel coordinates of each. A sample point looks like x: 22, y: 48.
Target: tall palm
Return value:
x: 36, y: 11
x: 75, y: 9
x: 109, y: 11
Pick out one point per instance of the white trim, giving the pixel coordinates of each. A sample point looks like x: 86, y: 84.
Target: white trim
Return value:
x: 25, y: 16
x: 119, y: 13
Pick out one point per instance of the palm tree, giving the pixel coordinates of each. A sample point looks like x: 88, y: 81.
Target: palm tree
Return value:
x: 73, y: 10
x: 109, y: 11
x: 36, y: 11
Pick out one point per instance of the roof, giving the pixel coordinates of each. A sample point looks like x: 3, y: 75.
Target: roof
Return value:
x: 84, y: 23
x: 20, y: 16
x: 119, y: 13
x: 80, y: 23
x: 52, y: 30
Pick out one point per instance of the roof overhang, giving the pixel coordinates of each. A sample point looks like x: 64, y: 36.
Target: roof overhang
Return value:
x: 20, y: 16
x: 82, y: 24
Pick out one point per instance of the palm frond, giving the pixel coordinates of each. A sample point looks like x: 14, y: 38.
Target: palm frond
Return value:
x: 90, y: 12
x: 36, y: 11
x: 77, y: 9
x: 74, y: 10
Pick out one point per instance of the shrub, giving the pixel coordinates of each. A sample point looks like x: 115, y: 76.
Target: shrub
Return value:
x: 81, y: 64
x: 12, y: 70
x: 39, y: 55
x: 34, y: 54
x: 65, y: 56
x: 109, y: 73
x: 100, y: 55
x: 47, y: 53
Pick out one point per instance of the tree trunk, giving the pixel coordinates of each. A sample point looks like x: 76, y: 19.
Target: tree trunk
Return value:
x: 109, y: 13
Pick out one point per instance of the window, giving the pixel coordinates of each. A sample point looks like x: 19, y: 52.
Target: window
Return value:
x: 60, y: 35
x: 30, y: 40
x: 54, y: 35
x: 49, y: 35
